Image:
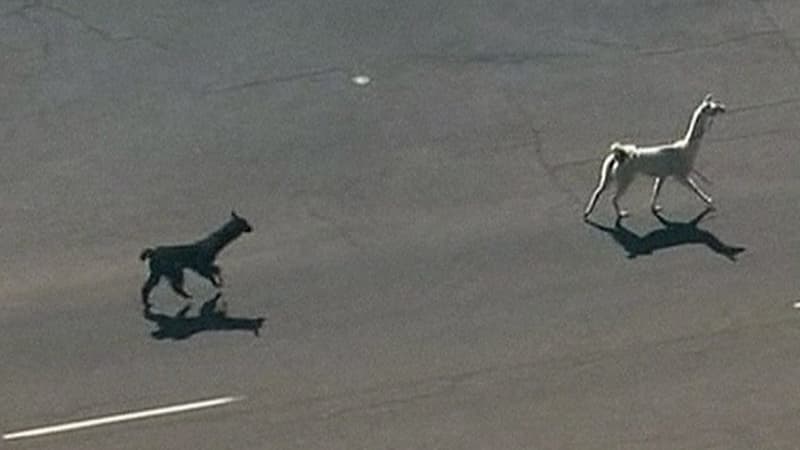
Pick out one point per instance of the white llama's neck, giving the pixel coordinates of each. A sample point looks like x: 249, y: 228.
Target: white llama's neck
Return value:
x: 697, y: 126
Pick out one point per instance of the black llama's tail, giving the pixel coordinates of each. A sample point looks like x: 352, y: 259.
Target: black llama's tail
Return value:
x: 146, y: 253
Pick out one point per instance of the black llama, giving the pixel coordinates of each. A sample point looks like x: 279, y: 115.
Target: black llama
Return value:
x: 170, y: 260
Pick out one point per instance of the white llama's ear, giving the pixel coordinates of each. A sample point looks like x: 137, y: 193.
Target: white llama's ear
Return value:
x: 707, y: 98
x: 615, y: 145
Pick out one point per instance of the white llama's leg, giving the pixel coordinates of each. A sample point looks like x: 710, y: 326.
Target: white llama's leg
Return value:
x: 690, y: 183
x: 623, y: 181
x: 655, y: 207
x: 601, y: 185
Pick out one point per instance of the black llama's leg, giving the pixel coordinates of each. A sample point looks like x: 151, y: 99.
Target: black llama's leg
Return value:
x: 176, y: 282
x: 148, y: 286
x: 211, y: 273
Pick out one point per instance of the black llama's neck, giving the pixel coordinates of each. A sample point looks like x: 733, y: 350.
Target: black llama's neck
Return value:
x: 217, y: 240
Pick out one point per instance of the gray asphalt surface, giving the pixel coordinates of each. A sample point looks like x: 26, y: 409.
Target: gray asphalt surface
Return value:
x: 418, y: 253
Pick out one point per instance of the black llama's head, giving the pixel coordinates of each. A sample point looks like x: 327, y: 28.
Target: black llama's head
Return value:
x: 240, y: 223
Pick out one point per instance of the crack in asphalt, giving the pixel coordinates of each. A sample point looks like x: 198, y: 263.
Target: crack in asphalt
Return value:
x: 605, y: 44
x: 519, y: 58
x: 290, y: 78
x: 383, y: 399
x: 105, y: 35
x: 764, y: 105
x: 584, y: 161
x: 27, y: 13
x: 642, y: 51
x: 778, y: 29
x: 722, y: 43
x: 578, y: 162
x: 731, y: 111
x: 46, y: 46
x: 549, y: 169
x: 496, y: 59
x: 538, y: 150
x: 22, y: 9
x: 772, y: 132
x: 385, y: 405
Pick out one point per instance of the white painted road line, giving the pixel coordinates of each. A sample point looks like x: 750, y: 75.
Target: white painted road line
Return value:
x: 117, y: 418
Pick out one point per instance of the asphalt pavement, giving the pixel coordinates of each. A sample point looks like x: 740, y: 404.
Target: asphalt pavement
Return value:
x: 419, y: 275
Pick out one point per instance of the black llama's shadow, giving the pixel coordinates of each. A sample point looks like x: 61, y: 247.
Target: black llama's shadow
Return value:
x: 672, y: 234
x: 180, y: 326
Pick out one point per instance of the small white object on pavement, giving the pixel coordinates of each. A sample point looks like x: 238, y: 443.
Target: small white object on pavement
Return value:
x: 361, y: 80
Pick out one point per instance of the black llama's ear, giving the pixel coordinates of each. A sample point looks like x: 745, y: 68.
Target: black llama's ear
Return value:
x: 233, y: 214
